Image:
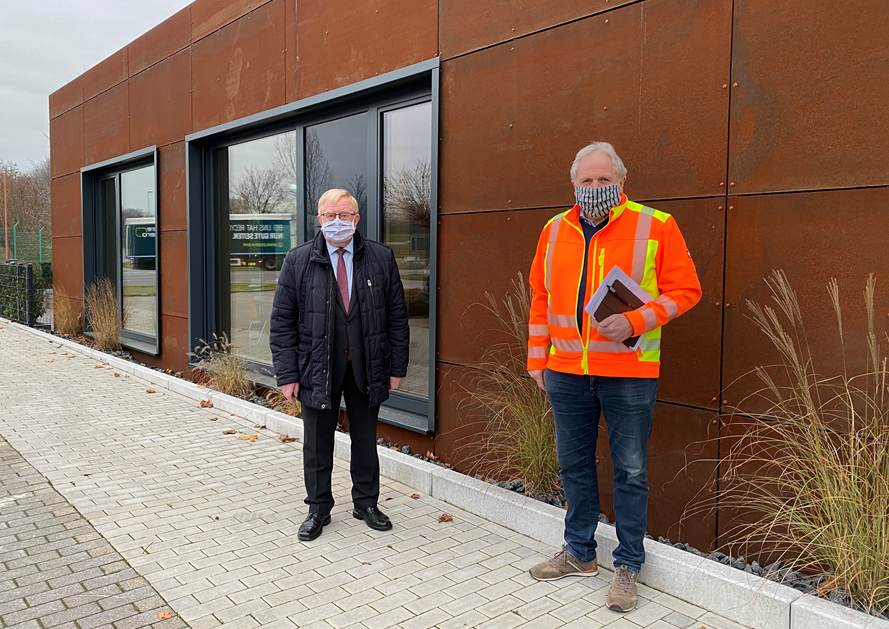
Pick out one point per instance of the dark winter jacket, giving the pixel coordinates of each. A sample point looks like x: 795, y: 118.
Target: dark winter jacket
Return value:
x: 303, y: 317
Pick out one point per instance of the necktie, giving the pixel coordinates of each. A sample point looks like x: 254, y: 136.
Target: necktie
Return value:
x: 342, y: 279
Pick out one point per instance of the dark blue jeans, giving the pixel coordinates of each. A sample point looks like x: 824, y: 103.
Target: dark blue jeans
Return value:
x: 628, y: 406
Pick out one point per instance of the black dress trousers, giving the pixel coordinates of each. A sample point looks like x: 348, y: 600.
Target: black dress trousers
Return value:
x: 319, y: 426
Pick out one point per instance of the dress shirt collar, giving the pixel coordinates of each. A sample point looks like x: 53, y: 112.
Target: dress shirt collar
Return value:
x: 350, y: 247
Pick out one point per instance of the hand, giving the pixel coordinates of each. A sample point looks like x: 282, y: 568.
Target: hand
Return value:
x: 537, y: 374
x: 394, y: 383
x: 616, y: 328
x: 290, y: 391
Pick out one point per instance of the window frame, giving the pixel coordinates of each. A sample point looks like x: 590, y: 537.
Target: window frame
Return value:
x: 97, y: 232
x: 394, y: 90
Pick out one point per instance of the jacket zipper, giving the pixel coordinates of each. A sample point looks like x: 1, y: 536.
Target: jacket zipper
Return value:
x: 585, y: 362
x: 330, y: 315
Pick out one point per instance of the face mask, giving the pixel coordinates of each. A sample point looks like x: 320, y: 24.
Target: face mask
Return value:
x: 597, y: 202
x: 338, y: 230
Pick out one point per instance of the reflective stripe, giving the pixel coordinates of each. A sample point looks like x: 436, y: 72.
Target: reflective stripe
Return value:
x: 669, y: 305
x: 640, y: 247
x: 608, y: 347
x: 538, y: 330
x: 567, y: 346
x: 550, y: 249
x: 536, y: 352
x: 650, y: 345
x: 562, y: 321
x: 650, y: 317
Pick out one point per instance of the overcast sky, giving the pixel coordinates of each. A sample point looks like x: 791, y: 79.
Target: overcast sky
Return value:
x: 46, y: 43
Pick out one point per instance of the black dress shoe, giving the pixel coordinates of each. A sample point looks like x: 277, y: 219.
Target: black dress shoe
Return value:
x: 373, y: 517
x: 312, y: 527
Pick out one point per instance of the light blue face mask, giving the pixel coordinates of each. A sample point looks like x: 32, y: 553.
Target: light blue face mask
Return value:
x: 597, y: 202
x: 338, y: 230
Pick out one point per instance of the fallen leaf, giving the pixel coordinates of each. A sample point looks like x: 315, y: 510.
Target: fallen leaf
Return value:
x: 117, y: 375
x: 169, y: 372
x: 389, y: 498
x: 229, y: 432
x: 165, y: 615
x: 52, y: 352
x: 444, y: 517
x: 150, y: 391
x: 285, y: 438
x: 365, y: 563
x: 415, y: 496
x: 250, y: 438
x: 206, y: 404
x: 50, y: 360
x: 393, y: 448
x: 178, y: 374
x: 213, y: 419
x: 200, y: 386
x: 97, y: 367
x: 431, y: 456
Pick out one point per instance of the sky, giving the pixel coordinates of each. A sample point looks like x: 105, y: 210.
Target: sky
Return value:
x: 44, y: 44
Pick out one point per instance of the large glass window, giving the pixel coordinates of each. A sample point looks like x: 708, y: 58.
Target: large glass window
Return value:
x: 120, y: 241
x: 407, y: 189
x: 259, y: 228
x: 138, y: 254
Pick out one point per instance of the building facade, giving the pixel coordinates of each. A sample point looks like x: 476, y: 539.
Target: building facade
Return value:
x: 186, y: 164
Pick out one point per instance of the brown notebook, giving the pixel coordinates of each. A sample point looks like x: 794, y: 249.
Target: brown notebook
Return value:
x: 618, y: 300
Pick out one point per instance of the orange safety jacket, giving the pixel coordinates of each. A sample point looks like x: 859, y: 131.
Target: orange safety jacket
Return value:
x: 647, y: 245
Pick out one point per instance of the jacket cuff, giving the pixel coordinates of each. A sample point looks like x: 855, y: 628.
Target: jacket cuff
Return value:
x: 637, y: 321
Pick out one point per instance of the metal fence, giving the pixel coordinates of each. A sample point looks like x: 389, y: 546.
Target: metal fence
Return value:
x: 23, y: 292
x: 35, y: 247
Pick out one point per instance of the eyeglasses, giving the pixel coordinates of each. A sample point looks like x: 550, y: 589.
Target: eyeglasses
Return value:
x: 343, y: 216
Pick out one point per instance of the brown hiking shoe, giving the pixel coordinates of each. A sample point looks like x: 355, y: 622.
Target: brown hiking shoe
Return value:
x: 622, y: 595
x: 564, y: 564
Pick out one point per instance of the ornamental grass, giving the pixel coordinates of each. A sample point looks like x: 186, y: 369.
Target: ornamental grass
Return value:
x: 224, y: 371
x: 809, y: 476
x: 515, y: 437
x: 65, y: 318
x: 103, y: 314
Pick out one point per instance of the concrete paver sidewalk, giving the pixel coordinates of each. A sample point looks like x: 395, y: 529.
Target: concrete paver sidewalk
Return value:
x: 210, y: 520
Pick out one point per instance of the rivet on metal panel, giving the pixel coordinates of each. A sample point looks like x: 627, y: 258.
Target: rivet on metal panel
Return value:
x: 510, y: 126
x: 725, y: 401
x: 509, y: 218
x: 725, y: 86
x: 719, y: 208
x: 734, y: 85
x: 606, y: 21
x: 722, y: 184
x: 731, y: 185
x: 605, y: 109
x: 713, y: 422
x: 714, y: 399
x: 513, y: 30
x: 728, y: 305
x: 512, y: 48
x: 717, y: 303
x: 731, y: 207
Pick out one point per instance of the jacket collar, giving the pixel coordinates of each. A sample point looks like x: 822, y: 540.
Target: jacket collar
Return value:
x: 319, y: 247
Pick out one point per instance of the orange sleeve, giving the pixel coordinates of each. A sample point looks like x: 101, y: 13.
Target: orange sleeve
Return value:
x: 677, y: 281
x: 538, y: 330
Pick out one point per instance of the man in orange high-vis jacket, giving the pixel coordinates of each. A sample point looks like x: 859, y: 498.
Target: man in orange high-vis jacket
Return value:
x: 586, y: 369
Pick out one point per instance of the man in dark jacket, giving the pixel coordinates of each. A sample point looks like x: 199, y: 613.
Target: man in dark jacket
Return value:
x: 339, y: 328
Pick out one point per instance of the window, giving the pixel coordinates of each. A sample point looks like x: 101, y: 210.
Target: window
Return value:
x: 120, y: 241
x: 254, y: 187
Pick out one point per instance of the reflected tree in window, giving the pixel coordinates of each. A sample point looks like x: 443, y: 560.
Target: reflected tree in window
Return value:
x: 319, y: 174
x: 258, y: 191
x: 408, y: 191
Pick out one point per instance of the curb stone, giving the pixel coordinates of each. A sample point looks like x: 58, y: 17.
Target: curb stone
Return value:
x: 739, y: 596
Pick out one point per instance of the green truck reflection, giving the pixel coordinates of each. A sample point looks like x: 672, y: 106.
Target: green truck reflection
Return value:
x: 255, y: 239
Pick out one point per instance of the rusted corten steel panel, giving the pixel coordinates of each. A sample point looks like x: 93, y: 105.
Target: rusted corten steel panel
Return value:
x: 165, y: 39
x: 650, y: 81
x: 106, y: 131
x: 681, y: 463
x: 239, y: 70
x: 208, y: 16
x: 173, y: 270
x: 105, y: 74
x: 66, y: 142
x: 468, y: 25
x: 351, y: 40
x: 691, y: 349
x: 172, y: 215
x: 500, y: 243
x: 291, y: 60
x: 812, y: 237
x: 67, y: 278
x: 66, y: 98
x: 160, y: 102
x: 65, y: 194
x: 811, y: 106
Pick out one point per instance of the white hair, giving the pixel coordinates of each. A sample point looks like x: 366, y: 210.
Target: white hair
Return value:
x: 599, y: 147
x: 335, y: 194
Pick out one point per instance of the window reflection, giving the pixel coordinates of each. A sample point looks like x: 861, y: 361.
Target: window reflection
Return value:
x: 336, y: 157
x: 407, y: 188
x: 138, y: 237
x: 262, y: 188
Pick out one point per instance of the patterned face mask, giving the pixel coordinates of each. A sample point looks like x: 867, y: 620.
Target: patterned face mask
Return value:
x: 597, y: 202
